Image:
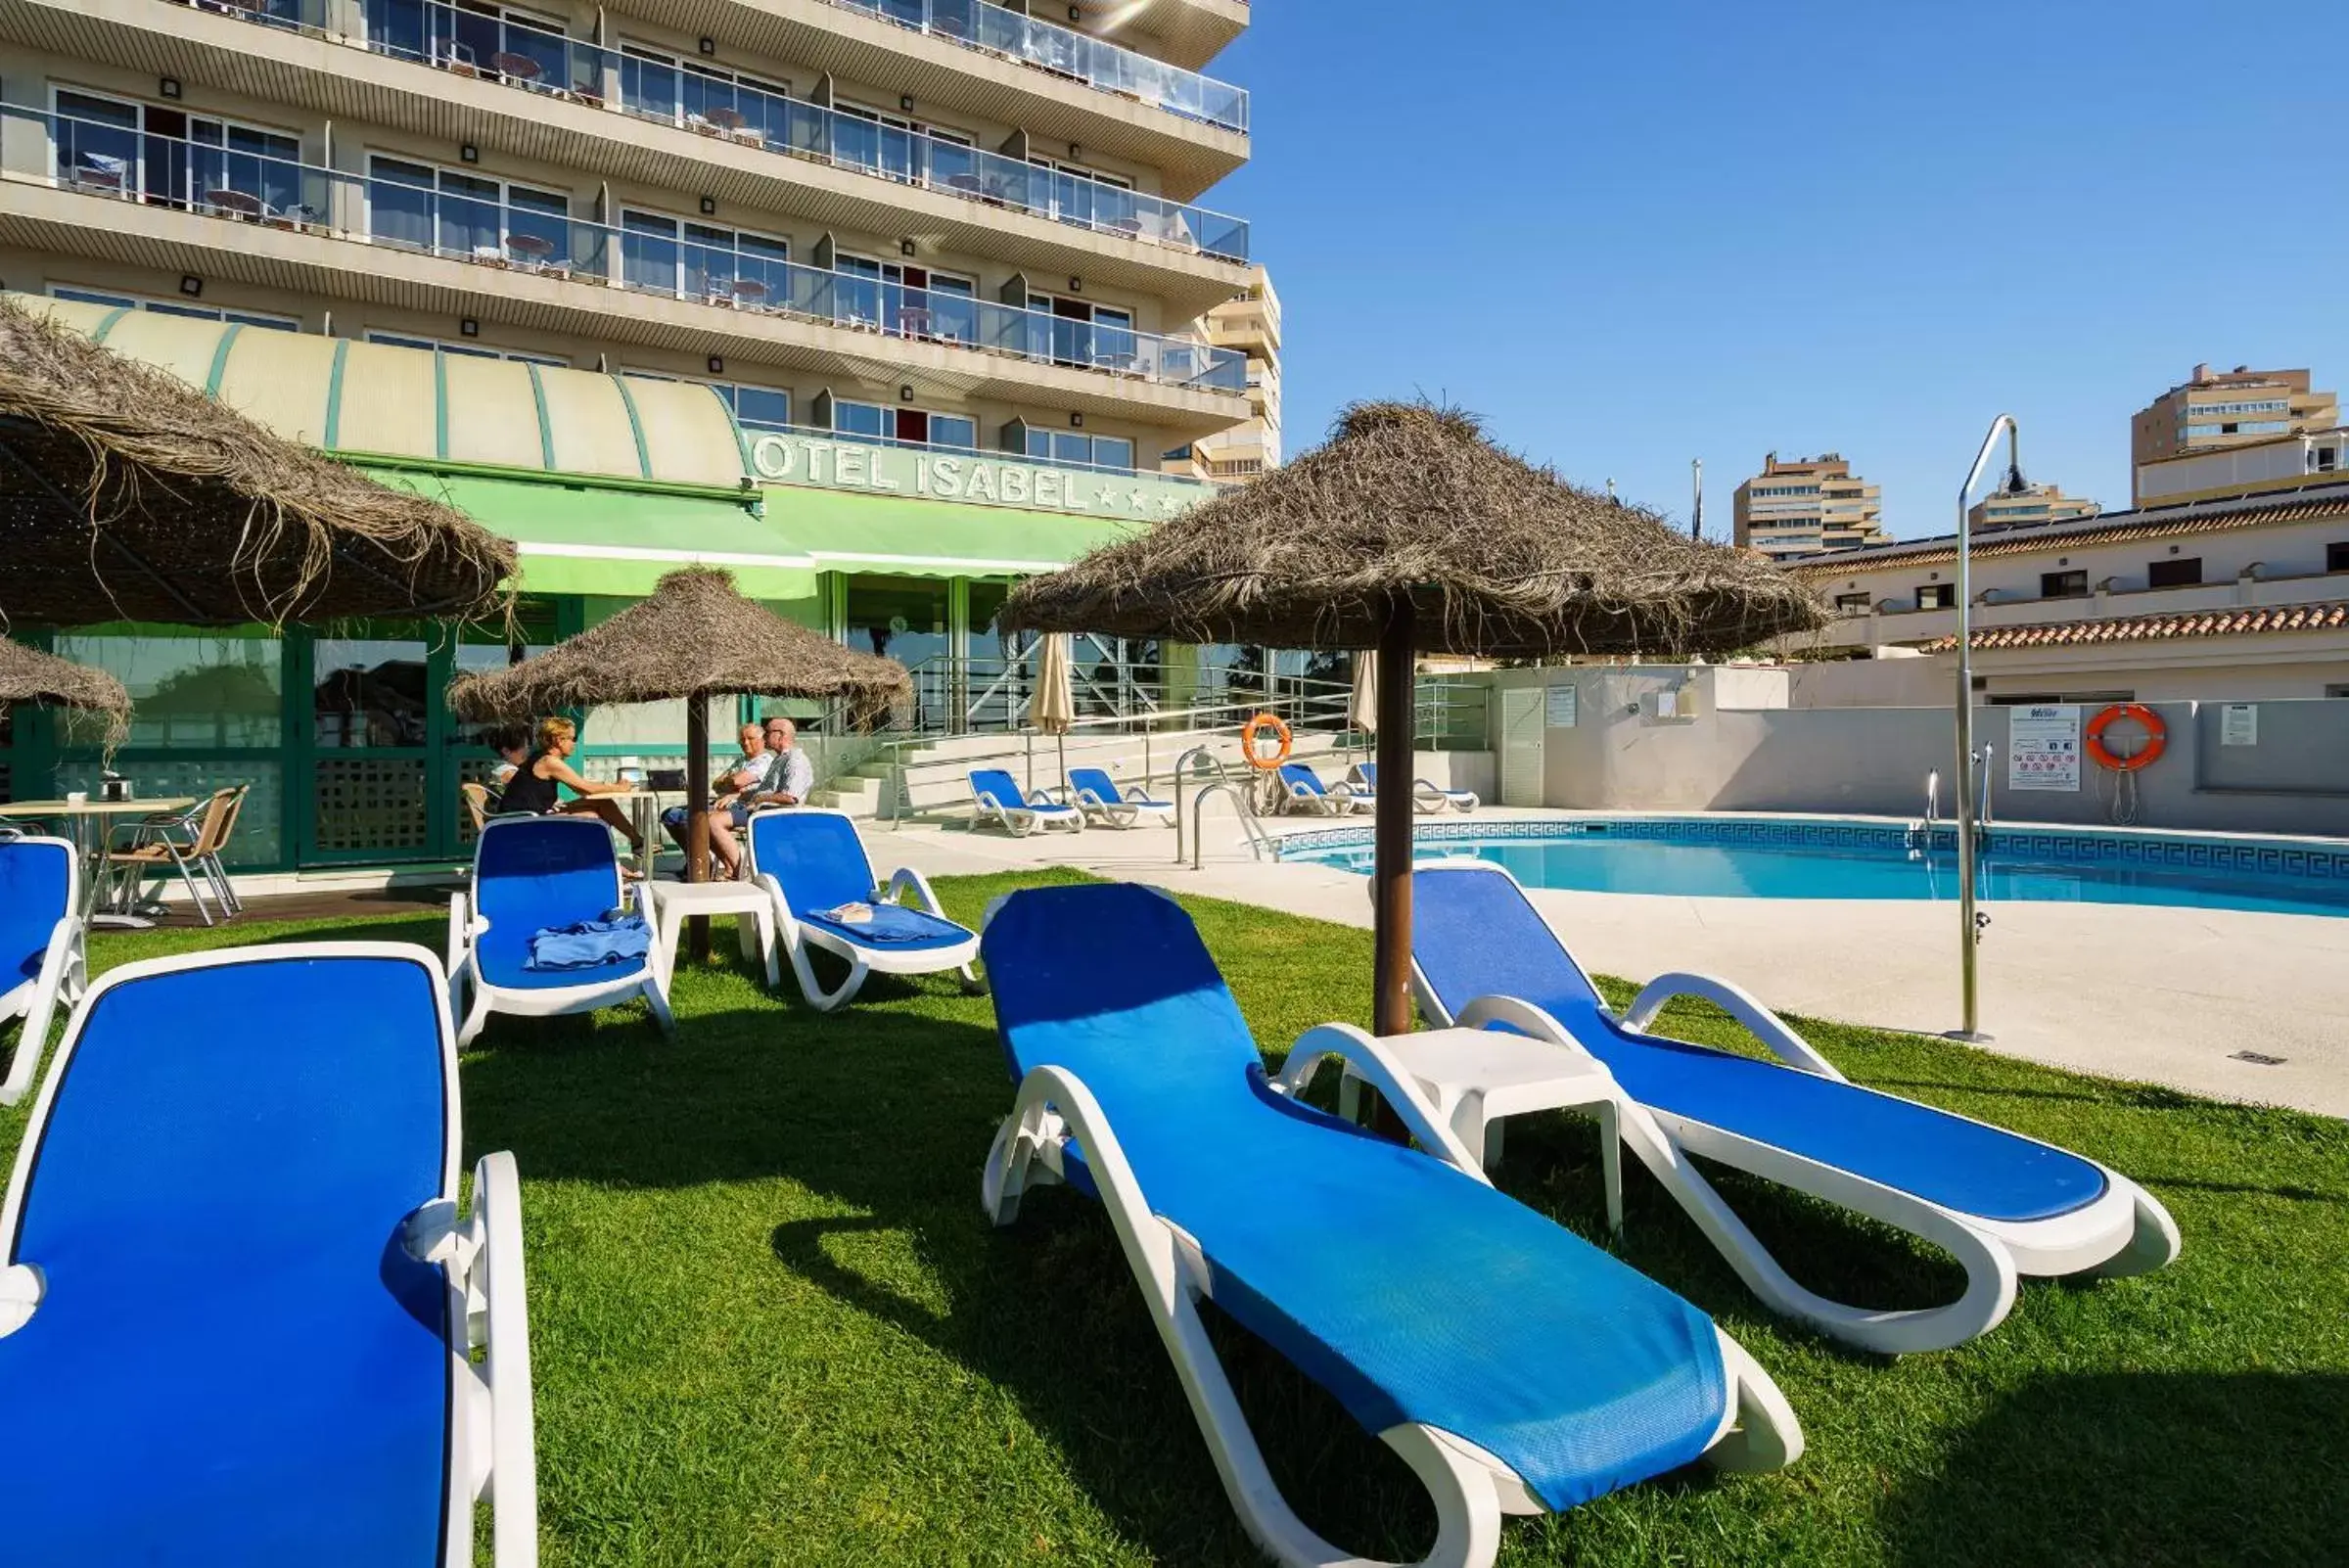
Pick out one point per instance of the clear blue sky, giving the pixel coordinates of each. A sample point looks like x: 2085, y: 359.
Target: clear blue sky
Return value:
x: 1630, y: 235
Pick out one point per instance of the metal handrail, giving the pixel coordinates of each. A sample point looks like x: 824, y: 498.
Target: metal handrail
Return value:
x: 1260, y: 842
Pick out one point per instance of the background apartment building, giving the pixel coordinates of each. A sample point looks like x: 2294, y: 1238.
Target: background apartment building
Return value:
x: 2034, y: 504
x: 1806, y: 506
x: 2216, y: 411
x: 880, y: 303
x: 1249, y: 324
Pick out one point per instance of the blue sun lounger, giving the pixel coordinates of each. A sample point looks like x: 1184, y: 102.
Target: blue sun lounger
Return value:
x: 41, y: 946
x: 1515, y: 1367
x: 1426, y: 796
x: 1307, y: 793
x: 543, y: 873
x: 814, y: 866
x: 238, y: 1310
x: 1098, y: 795
x: 997, y: 798
x: 2002, y: 1204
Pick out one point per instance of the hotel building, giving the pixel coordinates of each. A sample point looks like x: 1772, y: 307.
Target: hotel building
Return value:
x: 881, y: 304
x: 1806, y: 506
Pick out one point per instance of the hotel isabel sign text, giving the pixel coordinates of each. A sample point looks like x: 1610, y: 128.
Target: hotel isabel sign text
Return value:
x: 934, y: 474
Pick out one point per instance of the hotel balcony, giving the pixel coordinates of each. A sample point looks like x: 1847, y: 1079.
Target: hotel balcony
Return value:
x: 1897, y: 622
x: 1251, y: 325
x: 459, y: 78
x: 1061, y: 83
x: 87, y: 187
x: 1188, y: 33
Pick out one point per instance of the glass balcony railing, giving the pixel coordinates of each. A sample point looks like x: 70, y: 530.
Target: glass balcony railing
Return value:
x: 494, y: 48
x: 411, y: 208
x: 1066, y: 52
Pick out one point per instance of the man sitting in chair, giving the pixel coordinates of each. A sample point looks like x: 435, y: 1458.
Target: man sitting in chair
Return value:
x: 729, y: 805
x: 790, y: 775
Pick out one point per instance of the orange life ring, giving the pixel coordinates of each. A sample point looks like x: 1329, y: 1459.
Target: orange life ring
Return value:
x: 2157, y: 738
x: 1255, y: 728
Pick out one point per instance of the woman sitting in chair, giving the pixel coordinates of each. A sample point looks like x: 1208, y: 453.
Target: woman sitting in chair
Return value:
x: 531, y: 791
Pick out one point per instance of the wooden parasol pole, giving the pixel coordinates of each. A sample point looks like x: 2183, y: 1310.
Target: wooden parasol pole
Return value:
x: 1391, y: 874
x: 697, y: 823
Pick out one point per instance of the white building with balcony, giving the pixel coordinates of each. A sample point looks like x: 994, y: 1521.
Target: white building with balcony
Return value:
x: 2239, y: 597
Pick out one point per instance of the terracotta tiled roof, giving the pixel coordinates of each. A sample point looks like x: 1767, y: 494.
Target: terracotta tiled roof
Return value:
x: 2333, y: 616
x: 2152, y: 523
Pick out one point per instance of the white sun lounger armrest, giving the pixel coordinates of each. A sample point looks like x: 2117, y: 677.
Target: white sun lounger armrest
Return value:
x: 21, y: 1288
x: 496, y: 1443
x: 62, y: 975
x: 1739, y: 1004
x: 503, y: 1335
x: 1525, y: 1018
x: 905, y: 879
x: 1372, y: 1063
x: 645, y: 899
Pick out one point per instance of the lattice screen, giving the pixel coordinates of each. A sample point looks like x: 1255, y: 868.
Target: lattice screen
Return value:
x: 370, y: 803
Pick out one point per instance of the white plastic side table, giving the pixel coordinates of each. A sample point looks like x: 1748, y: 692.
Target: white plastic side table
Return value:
x: 1476, y: 1076
x: 674, y: 901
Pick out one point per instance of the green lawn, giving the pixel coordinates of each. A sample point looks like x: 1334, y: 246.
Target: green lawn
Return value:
x: 771, y: 1327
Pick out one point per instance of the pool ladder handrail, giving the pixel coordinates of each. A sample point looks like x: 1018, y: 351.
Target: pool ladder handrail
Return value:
x: 1202, y: 761
x: 1919, y: 837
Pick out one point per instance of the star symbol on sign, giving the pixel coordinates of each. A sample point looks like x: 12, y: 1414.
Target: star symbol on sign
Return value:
x: 1169, y: 504
x: 1111, y: 498
x: 1138, y: 496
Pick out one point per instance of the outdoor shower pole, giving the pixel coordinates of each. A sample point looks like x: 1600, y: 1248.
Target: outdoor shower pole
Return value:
x: 1967, y: 935
x: 1391, y: 873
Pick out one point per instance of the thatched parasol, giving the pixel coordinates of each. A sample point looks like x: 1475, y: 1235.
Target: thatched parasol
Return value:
x: 696, y: 637
x: 127, y: 494
x: 1409, y: 533
x: 29, y: 675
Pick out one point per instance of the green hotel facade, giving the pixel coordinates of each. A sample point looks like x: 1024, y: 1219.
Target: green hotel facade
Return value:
x: 864, y: 303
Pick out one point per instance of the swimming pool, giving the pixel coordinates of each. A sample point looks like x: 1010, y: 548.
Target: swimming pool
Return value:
x: 1812, y: 857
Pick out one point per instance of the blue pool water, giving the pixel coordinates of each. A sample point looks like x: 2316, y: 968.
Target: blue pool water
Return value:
x: 1724, y: 860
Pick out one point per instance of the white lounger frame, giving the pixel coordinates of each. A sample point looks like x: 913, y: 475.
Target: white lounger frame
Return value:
x: 1470, y: 1488
x: 794, y: 938
x: 2123, y: 1231
x: 465, y: 930
x: 1427, y: 798
x: 1124, y: 811
x: 65, y: 975
x: 492, y: 1454
x: 1334, y: 800
x: 1039, y: 811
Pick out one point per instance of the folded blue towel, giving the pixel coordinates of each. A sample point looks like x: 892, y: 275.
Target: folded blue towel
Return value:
x: 591, y: 943
x: 878, y: 923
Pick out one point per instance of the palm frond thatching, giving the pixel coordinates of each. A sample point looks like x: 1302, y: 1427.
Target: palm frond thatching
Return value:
x: 1499, y: 559
x: 127, y: 494
x: 694, y: 636
x: 29, y: 675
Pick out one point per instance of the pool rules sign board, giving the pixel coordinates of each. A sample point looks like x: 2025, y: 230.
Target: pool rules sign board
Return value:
x: 2043, y: 747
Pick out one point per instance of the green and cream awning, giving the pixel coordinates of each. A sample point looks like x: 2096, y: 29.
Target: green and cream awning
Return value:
x: 606, y: 481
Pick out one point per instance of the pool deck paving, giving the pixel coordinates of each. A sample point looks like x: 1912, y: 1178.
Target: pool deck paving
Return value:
x: 2158, y: 994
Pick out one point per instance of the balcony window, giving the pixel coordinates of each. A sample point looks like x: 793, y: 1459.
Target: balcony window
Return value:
x: 2182, y: 573
x: 466, y: 350
x: 175, y: 307
x: 2336, y: 556
x: 705, y: 98
x: 474, y: 38
x: 173, y: 159
x: 1852, y: 603
x: 702, y: 261
x: 901, y: 149
x: 889, y: 426
x: 466, y: 215
x: 758, y: 408
x: 2063, y: 584
x: 1077, y: 450
x: 909, y: 301
x: 1937, y: 596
